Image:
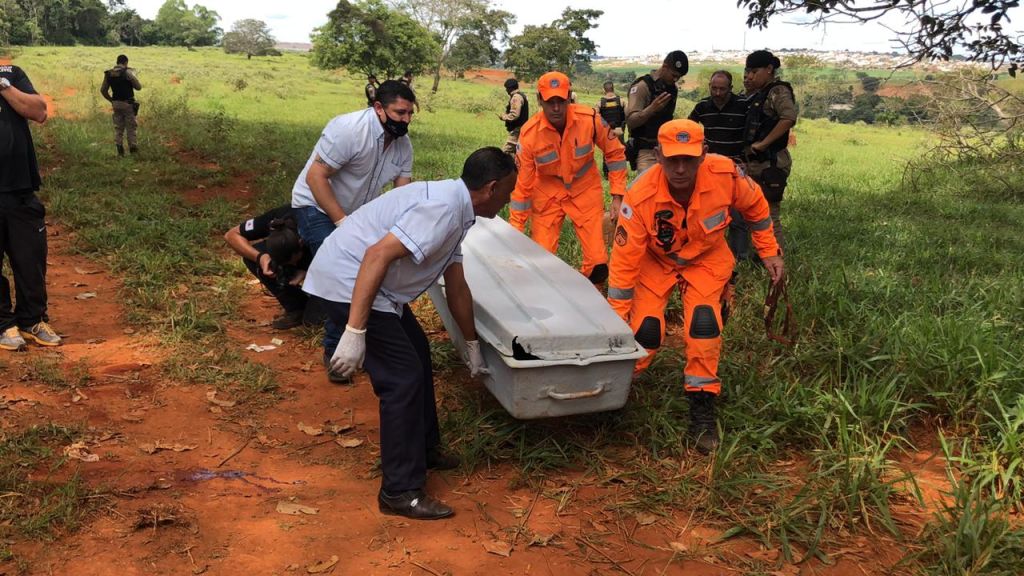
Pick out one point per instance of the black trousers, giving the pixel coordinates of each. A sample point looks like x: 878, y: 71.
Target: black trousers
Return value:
x: 402, y: 375
x: 291, y: 298
x: 23, y: 242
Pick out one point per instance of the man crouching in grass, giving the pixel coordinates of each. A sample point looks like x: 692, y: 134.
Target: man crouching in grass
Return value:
x: 380, y: 258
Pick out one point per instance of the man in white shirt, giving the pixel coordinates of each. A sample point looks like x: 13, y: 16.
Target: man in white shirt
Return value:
x: 357, y: 155
x: 381, y: 258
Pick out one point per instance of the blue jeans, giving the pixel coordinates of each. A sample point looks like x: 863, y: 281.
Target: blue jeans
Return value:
x: 314, y: 228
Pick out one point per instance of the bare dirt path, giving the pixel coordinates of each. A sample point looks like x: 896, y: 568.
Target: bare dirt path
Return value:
x: 189, y: 484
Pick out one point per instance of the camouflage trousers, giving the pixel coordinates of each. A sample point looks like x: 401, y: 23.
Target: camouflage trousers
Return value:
x: 511, y: 143
x: 124, y: 118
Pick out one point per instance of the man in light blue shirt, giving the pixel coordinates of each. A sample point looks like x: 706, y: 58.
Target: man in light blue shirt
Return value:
x: 381, y: 258
x: 357, y: 155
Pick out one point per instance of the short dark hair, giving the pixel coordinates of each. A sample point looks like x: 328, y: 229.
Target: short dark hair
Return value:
x: 371, y: 76
x: 283, y: 241
x: 391, y: 90
x: 122, y: 59
x: 487, y: 164
x: 511, y: 84
x: 726, y: 73
x: 607, y: 84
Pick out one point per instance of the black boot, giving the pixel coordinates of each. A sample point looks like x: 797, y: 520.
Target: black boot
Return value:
x: 414, y: 504
x: 120, y: 150
x: 703, y: 431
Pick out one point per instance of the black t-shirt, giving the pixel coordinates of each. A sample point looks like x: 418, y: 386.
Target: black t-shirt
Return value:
x: 19, y: 169
x: 258, y: 228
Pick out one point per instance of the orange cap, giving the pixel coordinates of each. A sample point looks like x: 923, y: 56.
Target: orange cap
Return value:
x: 553, y: 84
x: 681, y: 138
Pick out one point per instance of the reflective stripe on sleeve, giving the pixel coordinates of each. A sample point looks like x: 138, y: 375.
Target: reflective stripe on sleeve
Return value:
x: 584, y: 150
x: 548, y: 158
x: 616, y: 166
x: 761, y: 224
x: 520, y: 206
x: 699, y: 381
x: 714, y: 220
x: 620, y: 293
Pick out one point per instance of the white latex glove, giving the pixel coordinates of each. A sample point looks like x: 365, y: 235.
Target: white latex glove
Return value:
x: 348, y: 356
x: 475, y: 359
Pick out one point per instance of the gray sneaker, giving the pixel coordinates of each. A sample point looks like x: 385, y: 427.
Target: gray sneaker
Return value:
x: 11, y: 340
x: 41, y: 334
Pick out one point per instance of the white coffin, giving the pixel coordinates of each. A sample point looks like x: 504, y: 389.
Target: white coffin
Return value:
x: 553, y: 344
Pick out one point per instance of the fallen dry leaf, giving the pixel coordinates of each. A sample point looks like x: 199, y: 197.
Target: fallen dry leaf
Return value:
x: 498, y: 547
x: 310, y: 430
x: 257, y: 348
x: 295, y: 509
x: 79, y: 451
x: 337, y: 428
x: 645, y: 518
x: 85, y: 296
x: 349, y: 442
x: 211, y: 397
x: 276, y: 341
x: 322, y: 567
x: 78, y: 284
x: 540, y: 539
x: 84, y: 271
x: 678, y: 547
x: 154, y: 447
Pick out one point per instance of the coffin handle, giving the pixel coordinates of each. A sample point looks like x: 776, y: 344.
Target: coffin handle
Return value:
x: 577, y: 395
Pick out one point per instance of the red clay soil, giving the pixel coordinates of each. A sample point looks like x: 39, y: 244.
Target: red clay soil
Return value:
x: 213, y: 507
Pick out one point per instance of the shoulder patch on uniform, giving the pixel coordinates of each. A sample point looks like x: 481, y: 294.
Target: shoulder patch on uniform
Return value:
x: 741, y: 171
x: 249, y: 225
x: 633, y: 90
x: 626, y: 211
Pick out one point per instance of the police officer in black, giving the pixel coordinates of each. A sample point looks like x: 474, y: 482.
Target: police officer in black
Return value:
x: 122, y: 81
x: 771, y: 114
x: 371, y: 89
x: 613, y: 113
x: 652, y: 102
x: 517, y: 112
x: 271, y: 249
x: 22, y: 216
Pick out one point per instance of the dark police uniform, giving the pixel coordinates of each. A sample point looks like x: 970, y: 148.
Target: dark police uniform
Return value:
x: 122, y: 83
x: 292, y: 298
x: 22, y: 215
x: 642, y: 92
x: 770, y: 168
x: 519, y: 107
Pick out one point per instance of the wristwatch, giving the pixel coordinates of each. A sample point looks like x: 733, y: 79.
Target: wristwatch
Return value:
x: 4, y: 84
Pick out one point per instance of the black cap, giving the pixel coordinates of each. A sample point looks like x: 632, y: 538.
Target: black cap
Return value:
x: 677, y: 60
x: 762, y: 58
x: 122, y: 59
x: 511, y: 84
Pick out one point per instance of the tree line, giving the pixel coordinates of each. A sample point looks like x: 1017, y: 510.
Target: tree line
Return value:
x: 110, y: 23
x: 390, y: 38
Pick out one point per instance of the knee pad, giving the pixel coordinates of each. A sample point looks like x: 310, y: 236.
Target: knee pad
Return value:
x: 703, y: 324
x: 649, y: 333
x: 599, y: 274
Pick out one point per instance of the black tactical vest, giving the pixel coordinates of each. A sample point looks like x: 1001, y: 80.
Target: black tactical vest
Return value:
x: 120, y: 86
x: 614, y: 115
x: 524, y: 112
x: 759, y: 124
x: 647, y: 135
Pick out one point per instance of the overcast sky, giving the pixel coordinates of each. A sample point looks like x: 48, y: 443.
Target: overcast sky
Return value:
x: 628, y: 27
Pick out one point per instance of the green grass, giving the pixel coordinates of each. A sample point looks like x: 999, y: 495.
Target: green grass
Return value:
x: 908, y: 287
x: 38, y: 499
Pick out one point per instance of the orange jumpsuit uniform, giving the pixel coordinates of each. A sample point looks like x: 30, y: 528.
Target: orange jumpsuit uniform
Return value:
x: 558, y: 177
x: 659, y: 244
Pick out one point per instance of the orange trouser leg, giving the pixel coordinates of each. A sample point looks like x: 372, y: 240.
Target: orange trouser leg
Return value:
x: 546, y: 226
x: 588, y: 221
x: 647, y: 320
x: 703, y: 335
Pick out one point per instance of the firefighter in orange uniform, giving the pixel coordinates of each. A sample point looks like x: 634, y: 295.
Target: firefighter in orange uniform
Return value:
x: 671, y: 231
x: 558, y: 176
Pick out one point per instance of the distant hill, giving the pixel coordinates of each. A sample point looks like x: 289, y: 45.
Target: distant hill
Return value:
x: 294, y: 46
